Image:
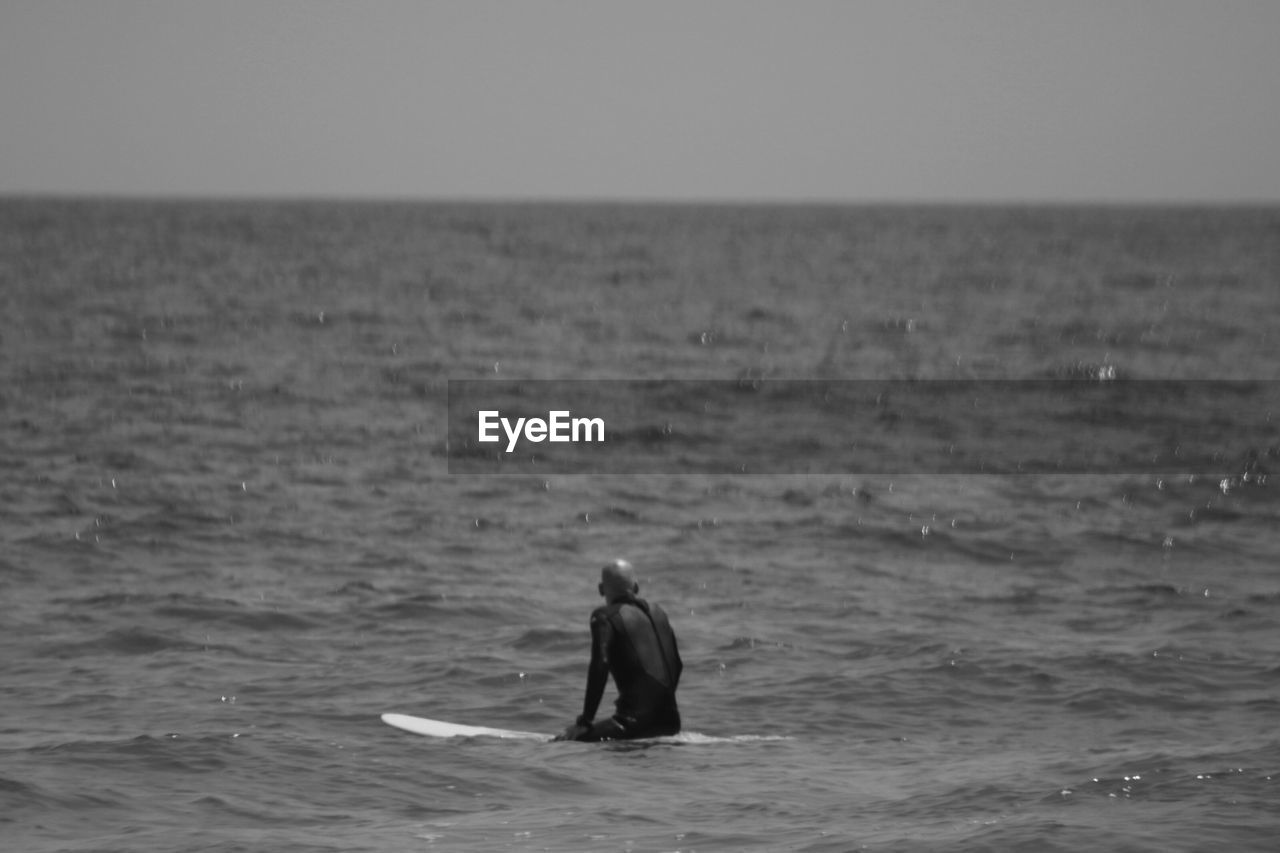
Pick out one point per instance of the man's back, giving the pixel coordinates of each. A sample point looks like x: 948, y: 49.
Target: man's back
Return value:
x: 641, y: 647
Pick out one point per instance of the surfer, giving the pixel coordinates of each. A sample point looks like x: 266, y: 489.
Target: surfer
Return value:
x: 631, y: 640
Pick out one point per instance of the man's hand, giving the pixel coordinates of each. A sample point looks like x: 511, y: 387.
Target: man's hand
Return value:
x: 575, y: 731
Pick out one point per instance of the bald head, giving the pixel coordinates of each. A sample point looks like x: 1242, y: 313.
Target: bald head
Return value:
x: 618, y: 579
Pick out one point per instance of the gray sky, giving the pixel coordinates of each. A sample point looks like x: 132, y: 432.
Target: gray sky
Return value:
x: 857, y: 100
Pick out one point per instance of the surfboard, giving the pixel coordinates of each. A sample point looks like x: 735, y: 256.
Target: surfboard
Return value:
x: 439, y: 728
x: 442, y: 729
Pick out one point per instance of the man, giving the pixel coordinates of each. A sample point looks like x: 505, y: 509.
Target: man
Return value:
x: 632, y: 641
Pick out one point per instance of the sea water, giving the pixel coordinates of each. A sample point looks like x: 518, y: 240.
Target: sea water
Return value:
x: 231, y: 537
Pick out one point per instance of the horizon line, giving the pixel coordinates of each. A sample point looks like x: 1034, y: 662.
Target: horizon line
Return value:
x: 625, y: 200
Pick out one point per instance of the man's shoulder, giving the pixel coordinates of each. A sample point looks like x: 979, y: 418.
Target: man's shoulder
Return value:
x: 604, y: 611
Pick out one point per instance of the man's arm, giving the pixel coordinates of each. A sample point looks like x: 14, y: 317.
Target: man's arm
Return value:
x: 598, y: 671
x: 597, y: 677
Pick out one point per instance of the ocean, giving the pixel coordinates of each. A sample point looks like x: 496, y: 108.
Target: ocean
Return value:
x: 233, y: 533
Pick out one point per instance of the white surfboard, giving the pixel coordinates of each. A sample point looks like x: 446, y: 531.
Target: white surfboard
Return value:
x: 439, y: 728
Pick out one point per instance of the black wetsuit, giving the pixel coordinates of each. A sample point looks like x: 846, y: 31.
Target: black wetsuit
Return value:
x: 632, y: 641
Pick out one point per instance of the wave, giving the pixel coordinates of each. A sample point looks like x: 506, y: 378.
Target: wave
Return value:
x: 188, y: 608
x: 550, y: 640
x: 131, y: 642
x: 172, y: 752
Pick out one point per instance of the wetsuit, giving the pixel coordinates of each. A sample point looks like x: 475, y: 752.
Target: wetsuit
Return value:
x: 632, y: 641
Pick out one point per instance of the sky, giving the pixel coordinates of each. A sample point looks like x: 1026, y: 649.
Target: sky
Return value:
x: 734, y: 100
